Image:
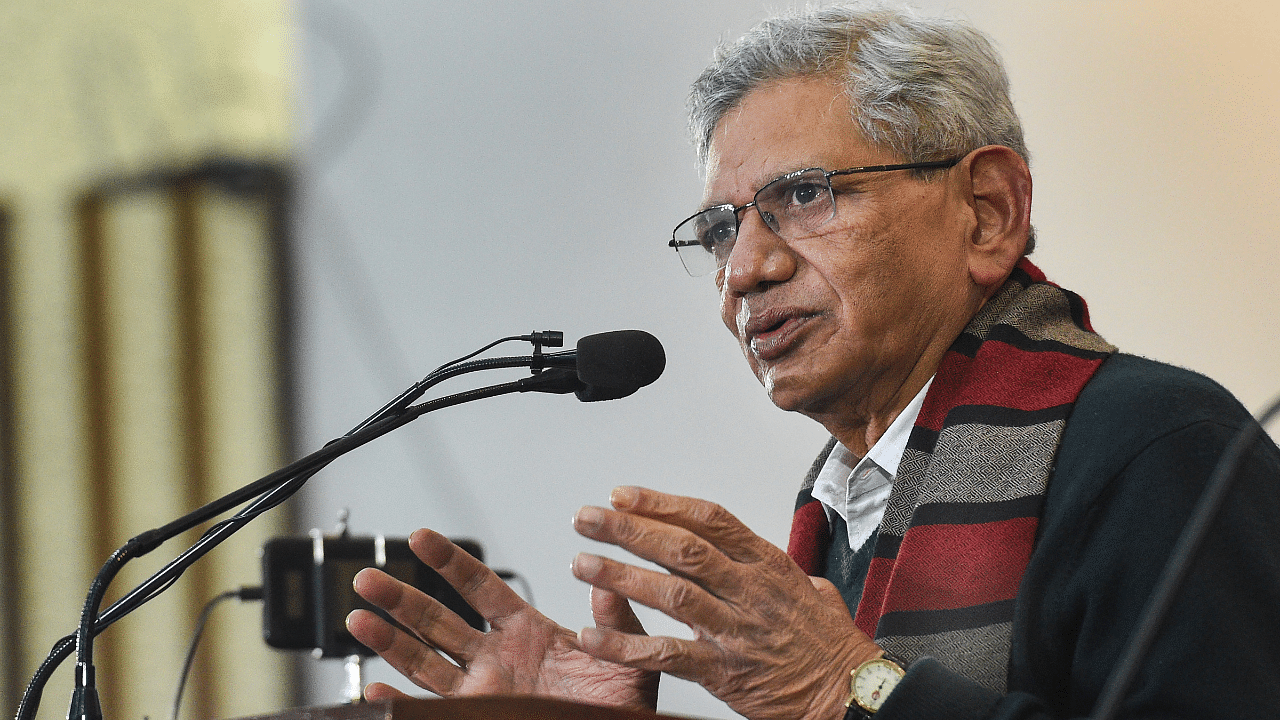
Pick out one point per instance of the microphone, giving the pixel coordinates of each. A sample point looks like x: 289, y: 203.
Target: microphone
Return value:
x: 605, y: 366
x: 608, y: 365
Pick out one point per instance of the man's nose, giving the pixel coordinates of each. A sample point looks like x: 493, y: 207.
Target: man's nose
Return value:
x: 759, y: 257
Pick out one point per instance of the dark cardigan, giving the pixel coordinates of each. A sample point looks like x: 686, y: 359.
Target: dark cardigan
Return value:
x: 1141, y: 442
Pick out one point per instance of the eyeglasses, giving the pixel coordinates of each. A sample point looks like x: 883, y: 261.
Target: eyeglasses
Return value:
x: 794, y: 206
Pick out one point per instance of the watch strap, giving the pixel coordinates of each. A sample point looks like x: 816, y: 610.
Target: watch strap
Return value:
x: 855, y: 712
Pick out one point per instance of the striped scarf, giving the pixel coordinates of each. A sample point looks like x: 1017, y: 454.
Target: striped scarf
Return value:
x: 961, y: 521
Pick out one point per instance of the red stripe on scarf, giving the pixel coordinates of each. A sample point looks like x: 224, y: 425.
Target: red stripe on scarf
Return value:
x: 810, y: 535
x: 952, y: 567
x: 1005, y: 376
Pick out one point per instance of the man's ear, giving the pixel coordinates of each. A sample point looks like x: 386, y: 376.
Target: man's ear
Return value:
x: 999, y: 191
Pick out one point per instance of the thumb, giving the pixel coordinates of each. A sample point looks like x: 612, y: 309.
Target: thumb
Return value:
x: 829, y: 593
x: 612, y: 611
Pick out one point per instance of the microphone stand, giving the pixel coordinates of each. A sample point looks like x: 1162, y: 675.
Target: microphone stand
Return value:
x: 270, y: 491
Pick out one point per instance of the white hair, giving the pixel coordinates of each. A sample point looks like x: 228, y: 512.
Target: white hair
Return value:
x: 925, y: 88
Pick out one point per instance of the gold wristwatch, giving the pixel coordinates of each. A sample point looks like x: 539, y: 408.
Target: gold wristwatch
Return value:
x: 869, y: 684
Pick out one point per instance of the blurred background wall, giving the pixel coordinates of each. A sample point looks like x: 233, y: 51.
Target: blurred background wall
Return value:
x: 145, y: 155
x: 462, y: 172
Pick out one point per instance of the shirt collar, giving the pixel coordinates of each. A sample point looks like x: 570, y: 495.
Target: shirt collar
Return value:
x: 888, y: 450
x: 858, y: 488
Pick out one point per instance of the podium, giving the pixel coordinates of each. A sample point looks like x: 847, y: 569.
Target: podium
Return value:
x: 473, y: 708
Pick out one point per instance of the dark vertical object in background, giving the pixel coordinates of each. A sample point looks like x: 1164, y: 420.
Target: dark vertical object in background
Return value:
x: 192, y: 344
x: 90, y: 218
x: 11, y: 672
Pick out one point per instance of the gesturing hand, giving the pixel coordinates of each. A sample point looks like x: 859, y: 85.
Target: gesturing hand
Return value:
x: 524, y: 652
x: 768, y: 640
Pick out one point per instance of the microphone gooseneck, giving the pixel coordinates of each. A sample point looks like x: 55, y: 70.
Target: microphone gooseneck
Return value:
x: 601, y: 367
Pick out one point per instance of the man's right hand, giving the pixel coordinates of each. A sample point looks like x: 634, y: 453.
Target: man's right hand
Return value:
x: 524, y: 652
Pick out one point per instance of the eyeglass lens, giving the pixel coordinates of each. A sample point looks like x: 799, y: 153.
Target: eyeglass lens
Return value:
x: 793, y: 206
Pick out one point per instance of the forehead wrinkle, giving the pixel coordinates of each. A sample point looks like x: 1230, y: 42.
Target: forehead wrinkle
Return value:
x: 770, y: 167
x: 762, y: 176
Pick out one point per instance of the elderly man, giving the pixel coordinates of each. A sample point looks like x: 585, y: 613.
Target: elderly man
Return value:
x: 1001, y: 488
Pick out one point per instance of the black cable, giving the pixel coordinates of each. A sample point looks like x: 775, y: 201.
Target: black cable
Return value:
x: 444, y: 372
x: 244, y: 593
x: 1178, y: 565
x: 195, y: 643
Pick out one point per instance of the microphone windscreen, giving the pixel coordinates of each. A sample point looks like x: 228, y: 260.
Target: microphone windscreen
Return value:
x: 622, y: 360
x: 595, y: 393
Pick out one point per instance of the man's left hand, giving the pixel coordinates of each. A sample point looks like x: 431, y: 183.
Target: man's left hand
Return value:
x: 768, y: 640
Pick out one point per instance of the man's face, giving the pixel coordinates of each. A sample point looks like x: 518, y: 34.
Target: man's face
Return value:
x: 840, y: 325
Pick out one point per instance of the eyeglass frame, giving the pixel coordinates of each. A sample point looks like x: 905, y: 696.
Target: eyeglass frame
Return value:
x: 827, y: 175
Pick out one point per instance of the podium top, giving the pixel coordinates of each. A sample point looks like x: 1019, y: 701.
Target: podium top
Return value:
x: 474, y: 708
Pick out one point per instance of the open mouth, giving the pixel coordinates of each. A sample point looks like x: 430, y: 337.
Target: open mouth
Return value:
x: 774, y: 327
x: 773, y: 336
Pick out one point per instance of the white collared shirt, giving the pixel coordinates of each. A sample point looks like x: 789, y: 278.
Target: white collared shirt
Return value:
x: 857, y: 489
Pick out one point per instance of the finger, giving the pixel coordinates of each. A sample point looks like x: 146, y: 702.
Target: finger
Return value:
x: 422, y: 614
x: 686, y: 659
x: 474, y: 581
x: 705, y: 519
x: 612, y: 611
x: 674, y: 596
x: 409, y: 656
x: 830, y: 594
x: 378, y: 692
x: 678, y: 550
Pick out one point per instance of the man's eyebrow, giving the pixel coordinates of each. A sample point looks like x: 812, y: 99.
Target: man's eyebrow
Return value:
x: 775, y: 175
x: 708, y: 206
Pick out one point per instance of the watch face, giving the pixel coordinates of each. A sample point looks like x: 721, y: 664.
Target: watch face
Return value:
x: 873, y: 681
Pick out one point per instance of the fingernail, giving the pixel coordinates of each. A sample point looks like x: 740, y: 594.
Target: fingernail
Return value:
x: 624, y: 497
x: 588, y: 518
x: 586, y: 565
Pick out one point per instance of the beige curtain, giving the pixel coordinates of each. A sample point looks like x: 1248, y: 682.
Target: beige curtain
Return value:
x: 153, y: 383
